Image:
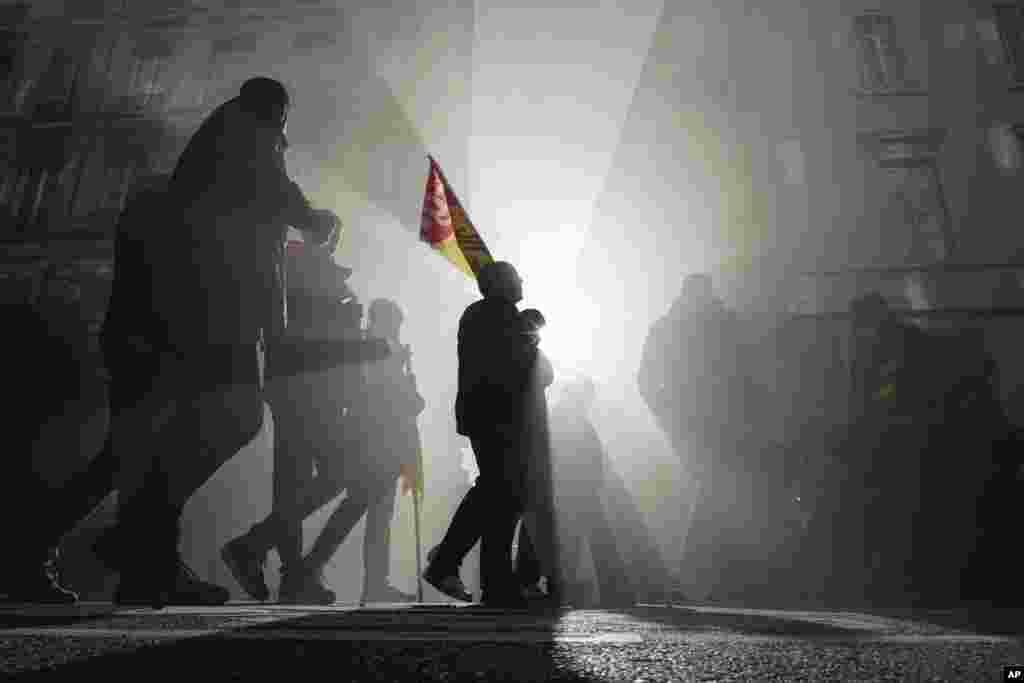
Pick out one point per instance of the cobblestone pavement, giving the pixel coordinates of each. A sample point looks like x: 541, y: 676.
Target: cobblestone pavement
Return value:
x: 433, y: 642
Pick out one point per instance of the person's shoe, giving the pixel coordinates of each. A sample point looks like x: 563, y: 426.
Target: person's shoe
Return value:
x: 533, y: 592
x: 304, y: 587
x: 246, y: 565
x: 189, y: 589
x: 182, y: 587
x: 41, y: 584
x: 449, y: 584
x: 386, y: 593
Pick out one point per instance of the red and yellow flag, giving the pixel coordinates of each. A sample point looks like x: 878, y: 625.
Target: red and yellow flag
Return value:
x: 446, y: 227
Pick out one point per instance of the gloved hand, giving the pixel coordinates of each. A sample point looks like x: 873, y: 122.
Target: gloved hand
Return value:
x: 326, y: 227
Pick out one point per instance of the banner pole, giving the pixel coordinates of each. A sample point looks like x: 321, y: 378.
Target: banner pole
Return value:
x: 416, y: 532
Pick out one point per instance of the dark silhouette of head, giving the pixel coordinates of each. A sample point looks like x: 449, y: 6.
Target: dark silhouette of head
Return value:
x: 499, y: 280
x: 533, y: 320
x: 267, y: 99
x: 386, y: 317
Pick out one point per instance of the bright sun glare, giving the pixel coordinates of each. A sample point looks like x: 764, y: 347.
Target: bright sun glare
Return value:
x: 548, y: 264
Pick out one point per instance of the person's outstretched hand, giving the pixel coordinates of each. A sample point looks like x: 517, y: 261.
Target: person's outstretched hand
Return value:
x: 326, y: 225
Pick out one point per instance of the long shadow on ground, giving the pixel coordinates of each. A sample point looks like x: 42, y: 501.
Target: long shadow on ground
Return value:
x: 424, y: 643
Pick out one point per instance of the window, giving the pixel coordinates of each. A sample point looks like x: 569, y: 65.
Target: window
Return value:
x: 915, y: 218
x: 916, y: 204
x: 882, y: 63
x: 1009, y: 19
x: 151, y: 59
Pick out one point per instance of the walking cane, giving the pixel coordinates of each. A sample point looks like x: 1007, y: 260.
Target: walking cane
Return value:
x: 416, y: 532
x: 407, y: 371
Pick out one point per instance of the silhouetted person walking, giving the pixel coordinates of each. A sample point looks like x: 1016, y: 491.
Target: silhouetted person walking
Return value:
x: 538, y: 542
x: 360, y: 434
x: 130, y: 332
x: 392, y: 405
x: 490, y: 408
x: 33, y: 341
x: 693, y: 378
x: 218, y: 288
x: 579, y: 481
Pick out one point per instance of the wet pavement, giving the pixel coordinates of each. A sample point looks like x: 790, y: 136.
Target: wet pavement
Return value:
x: 438, y: 642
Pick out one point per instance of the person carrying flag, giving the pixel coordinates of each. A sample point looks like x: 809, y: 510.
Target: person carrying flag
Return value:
x: 491, y: 408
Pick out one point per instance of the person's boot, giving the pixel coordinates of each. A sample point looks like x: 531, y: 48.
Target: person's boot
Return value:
x: 153, y: 573
x: 385, y: 592
x: 188, y: 589
x: 303, y: 586
x: 533, y: 592
x: 145, y: 582
x: 445, y: 581
x: 38, y: 581
x: 245, y: 559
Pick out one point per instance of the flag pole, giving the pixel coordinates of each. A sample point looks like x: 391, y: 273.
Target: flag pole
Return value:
x: 416, y: 533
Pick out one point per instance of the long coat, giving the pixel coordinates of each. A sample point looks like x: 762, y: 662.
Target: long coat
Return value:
x: 230, y: 202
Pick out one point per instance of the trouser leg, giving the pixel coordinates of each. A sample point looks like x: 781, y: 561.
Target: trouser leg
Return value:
x: 612, y: 578
x: 499, y: 457
x: 491, y: 507
x: 527, y: 567
x: 377, y: 541
x: 297, y: 493
x: 84, y: 491
x: 339, y: 525
x: 21, y: 482
x: 496, y: 550
x: 464, y: 531
x: 293, y: 475
x: 224, y: 420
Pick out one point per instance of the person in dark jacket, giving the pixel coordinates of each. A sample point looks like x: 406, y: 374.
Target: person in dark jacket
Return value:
x: 695, y: 379
x: 538, y: 545
x: 491, y: 408
x: 360, y: 435
x: 578, y: 463
x: 129, y: 335
x: 218, y: 289
x: 34, y: 338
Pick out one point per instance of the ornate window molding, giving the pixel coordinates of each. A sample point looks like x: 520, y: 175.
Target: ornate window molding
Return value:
x: 881, y: 62
x: 915, y: 200
x: 1009, y: 25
